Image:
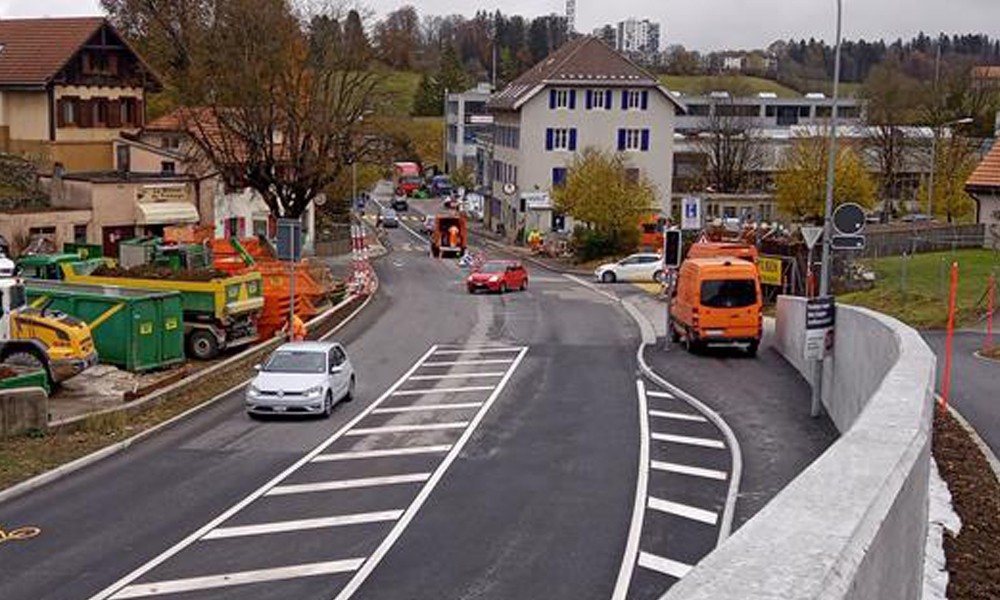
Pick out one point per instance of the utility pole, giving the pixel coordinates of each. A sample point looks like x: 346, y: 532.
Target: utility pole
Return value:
x: 934, y: 134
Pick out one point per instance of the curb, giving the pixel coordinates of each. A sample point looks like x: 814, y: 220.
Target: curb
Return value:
x: 61, y: 471
x: 991, y: 458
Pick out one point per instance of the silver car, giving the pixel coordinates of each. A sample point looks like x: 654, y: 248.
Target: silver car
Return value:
x: 302, y: 378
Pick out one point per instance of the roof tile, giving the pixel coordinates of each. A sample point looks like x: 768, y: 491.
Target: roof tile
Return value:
x: 987, y: 173
x: 32, y: 51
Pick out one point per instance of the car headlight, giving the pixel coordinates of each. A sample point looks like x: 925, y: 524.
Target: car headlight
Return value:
x: 314, y: 391
x: 254, y: 390
x: 494, y: 279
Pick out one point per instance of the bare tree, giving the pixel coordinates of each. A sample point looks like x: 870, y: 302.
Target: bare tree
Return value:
x: 735, y: 154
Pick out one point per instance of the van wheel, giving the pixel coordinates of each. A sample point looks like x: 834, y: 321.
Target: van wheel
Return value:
x: 690, y: 344
x: 752, y: 348
x: 608, y: 277
x: 203, y: 345
x: 675, y: 336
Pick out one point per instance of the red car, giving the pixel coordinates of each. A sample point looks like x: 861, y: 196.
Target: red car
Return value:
x: 498, y: 276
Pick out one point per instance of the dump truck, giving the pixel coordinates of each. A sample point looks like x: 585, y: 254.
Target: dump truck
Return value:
x: 220, y: 311
x: 450, y: 236
x: 48, y: 340
x: 406, y: 178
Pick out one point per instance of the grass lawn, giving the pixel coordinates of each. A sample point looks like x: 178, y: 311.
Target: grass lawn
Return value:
x: 925, y: 302
x: 738, y: 84
x: 402, y: 85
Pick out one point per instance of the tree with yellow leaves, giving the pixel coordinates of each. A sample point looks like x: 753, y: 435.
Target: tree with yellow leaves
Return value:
x: 608, y: 200
x: 955, y: 162
x: 801, y: 181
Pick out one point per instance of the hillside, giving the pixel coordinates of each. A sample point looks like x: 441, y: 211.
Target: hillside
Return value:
x: 741, y: 85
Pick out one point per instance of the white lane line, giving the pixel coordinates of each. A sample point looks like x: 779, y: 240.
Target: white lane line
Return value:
x: 376, y: 557
x: 663, y: 565
x: 654, y: 394
x: 639, y: 504
x: 454, y: 376
x: 176, y: 586
x: 346, y: 484
x: 486, y: 350
x: 407, y: 428
x: 678, y: 416
x: 303, y: 524
x: 253, y: 496
x: 687, y: 470
x: 683, y: 510
x: 360, y: 454
x: 464, y: 363
x: 690, y: 441
x: 453, y: 390
x: 426, y: 407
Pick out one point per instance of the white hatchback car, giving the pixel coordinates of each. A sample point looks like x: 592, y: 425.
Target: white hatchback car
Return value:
x: 645, y: 266
x: 302, y: 378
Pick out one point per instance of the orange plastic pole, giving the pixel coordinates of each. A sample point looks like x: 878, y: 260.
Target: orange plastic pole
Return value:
x: 988, y: 345
x: 946, y: 384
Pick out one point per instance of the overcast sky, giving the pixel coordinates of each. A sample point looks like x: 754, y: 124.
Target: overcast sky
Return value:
x: 701, y: 25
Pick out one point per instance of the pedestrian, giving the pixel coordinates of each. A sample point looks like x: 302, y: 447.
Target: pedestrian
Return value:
x: 299, y: 331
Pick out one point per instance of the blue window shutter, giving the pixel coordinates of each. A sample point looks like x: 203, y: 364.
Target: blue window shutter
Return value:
x: 572, y: 140
x: 645, y: 99
x: 572, y: 99
x: 608, y: 100
x: 624, y: 99
x: 548, y: 139
x: 552, y: 99
x: 645, y: 140
x: 589, y: 99
x: 621, y: 140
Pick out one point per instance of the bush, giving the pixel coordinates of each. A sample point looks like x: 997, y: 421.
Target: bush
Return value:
x: 591, y: 244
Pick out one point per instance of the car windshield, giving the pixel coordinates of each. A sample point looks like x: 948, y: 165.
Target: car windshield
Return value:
x: 412, y: 179
x: 494, y: 268
x: 728, y: 293
x: 389, y: 213
x: 296, y: 361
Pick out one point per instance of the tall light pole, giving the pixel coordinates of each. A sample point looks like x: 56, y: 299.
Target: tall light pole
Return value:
x: 831, y: 175
x: 934, y: 139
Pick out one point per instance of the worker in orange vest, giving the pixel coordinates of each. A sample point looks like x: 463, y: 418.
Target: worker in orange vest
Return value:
x: 298, y: 329
x: 453, y: 236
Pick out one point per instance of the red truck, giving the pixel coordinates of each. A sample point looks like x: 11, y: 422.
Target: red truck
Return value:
x: 450, y: 236
x: 406, y: 176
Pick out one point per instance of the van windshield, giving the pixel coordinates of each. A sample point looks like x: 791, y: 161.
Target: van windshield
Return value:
x: 728, y: 293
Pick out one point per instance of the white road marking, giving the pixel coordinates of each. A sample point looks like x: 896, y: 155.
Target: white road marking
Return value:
x: 426, y: 407
x: 383, y: 453
x: 407, y: 428
x: 376, y: 557
x: 677, y: 416
x: 484, y: 350
x: 346, y: 484
x: 654, y: 394
x: 302, y: 524
x: 683, y: 510
x: 454, y: 390
x: 463, y: 363
x: 164, y: 556
x: 454, y: 376
x: 687, y: 470
x: 690, y: 441
x: 175, y: 586
x: 663, y: 565
x: 639, y: 504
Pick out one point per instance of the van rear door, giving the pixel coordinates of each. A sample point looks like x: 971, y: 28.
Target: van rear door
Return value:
x: 728, y: 308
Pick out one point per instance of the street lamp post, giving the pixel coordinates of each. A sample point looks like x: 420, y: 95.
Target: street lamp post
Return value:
x: 934, y: 139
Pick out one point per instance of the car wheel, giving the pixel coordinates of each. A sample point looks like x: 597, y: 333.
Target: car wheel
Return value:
x: 472, y: 290
x: 524, y: 284
x: 608, y: 277
x: 328, y: 405
x: 658, y: 276
x: 503, y: 288
x: 349, y: 396
x: 203, y: 345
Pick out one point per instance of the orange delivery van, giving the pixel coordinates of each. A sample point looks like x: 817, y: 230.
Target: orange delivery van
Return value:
x: 717, y: 301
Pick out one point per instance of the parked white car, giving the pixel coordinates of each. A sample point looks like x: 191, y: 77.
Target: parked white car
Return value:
x: 645, y: 266
x: 302, y: 378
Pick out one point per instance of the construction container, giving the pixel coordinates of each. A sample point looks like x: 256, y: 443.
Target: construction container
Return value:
x: 84, y: 251
x: 133, y: 329
x: 17, y: 376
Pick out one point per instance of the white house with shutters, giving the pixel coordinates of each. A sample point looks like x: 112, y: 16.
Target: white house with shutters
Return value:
x: 583, y: 95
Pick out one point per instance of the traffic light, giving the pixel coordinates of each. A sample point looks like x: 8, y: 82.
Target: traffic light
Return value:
x: 672, y: 248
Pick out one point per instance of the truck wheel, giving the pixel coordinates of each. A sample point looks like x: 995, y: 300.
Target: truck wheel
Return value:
x: 752, y: 348
x: 203, y: 345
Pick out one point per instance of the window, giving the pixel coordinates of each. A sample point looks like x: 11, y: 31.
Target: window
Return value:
x: 170, y: 142
x: 598, y: 99
x: 69, y: 114
x: 558, y: 176
x: 562, y: 98
x: 632, y: 140
x: 635, y: 99
x: 560, y: 139
x: 80, y: 234
x: 168, y: 167
x: 699, y: 110
x: 100, y: 111
x: 260, y: 227
x: 123, y: 156
x: 732, y: 293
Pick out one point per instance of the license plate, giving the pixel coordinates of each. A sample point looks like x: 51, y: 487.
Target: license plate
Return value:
x: 715, y: 332
x: 280, y: 409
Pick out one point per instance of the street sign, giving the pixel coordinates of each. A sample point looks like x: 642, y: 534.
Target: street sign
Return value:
x: 691, y: 213
x: 672, y: 248
x: 289, y: 240
x: 821, y: 315
x: 770, y: 271
x: 811, y: 235
x: 847, y: 242
x: 849, y: 219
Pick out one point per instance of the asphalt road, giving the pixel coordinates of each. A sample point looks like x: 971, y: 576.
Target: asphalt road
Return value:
x: 533, y: 467
x: 975, y: 383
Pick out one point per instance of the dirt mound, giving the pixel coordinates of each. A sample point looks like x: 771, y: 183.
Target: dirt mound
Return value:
x: 154, y: 272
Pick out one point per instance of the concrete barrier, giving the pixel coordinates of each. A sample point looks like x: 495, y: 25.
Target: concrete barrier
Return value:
x: 22, y: 410
x: 853, y: 524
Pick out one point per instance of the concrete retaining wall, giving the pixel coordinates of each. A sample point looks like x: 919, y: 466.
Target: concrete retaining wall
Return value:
x: 22, y: 410
x: 853, y: 524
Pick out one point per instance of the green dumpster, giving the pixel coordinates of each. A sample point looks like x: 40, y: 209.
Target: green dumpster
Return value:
x: 16, y: 376
x: 137, y: 330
